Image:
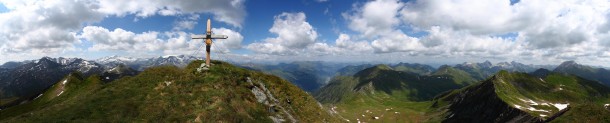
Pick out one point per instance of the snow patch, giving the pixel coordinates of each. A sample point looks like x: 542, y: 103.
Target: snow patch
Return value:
x: 60, y: 93
x: 534, y: 109
x: 376, y: 118
x: 107, y: 77
x: 531, y: 102
x: 167, y: 83
x: 38, y: 96
x: 561, y: 106
x: 517, y: 106
x: 334, y: 110
x: 64, y: 82
x: 542, y: 115
x: 541, y: 79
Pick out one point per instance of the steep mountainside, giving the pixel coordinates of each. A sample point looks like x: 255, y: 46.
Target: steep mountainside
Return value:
x: 350, y: 70
x: 28, y: 80
x: 225, y: 93
x: 598, y: 74
x: 520, y: 97
x: 118, y: 72
x: 383, y: 80
x: 380, y: 93
x: 413, y: 68
x: 459, y: 76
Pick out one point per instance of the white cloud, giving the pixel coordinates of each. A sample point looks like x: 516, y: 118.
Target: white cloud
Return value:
x: 228, y: 11
x: 375, y: 18
x: 187, y: 24
x: 270, y: 48
x: 231, y: 43
x: 120, y: 39
x: 49, y: 26
x: 344, y: 41
x: 541, y: 23
x: 294, y: 33
x: 379, y: 21
x: 398, y: 42
x: 180, y: 43
x: 475, y: 16
x: 177, y: 43
x: 476, y: 29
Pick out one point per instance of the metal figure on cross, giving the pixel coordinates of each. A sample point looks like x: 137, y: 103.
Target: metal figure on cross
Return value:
x: 208, y: 44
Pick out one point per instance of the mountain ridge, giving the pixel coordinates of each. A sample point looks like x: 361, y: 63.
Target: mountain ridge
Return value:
x: 168, y: 93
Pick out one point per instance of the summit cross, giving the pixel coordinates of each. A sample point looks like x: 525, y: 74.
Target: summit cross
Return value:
x: 208, y: 42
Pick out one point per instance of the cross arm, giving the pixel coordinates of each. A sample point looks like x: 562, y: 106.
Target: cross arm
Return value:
x: 198, y: 36
x: 219, y: 36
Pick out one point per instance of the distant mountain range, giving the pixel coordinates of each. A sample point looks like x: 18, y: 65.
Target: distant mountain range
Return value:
x: 21, y: 81
x: 32, y: 77
x: 143, y: 63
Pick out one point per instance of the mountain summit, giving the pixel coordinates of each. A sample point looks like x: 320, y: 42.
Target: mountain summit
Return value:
x: 598, y: 74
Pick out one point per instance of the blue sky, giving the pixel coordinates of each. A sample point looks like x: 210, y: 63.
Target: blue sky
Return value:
x: 427, y: 31
x: 258, y: 21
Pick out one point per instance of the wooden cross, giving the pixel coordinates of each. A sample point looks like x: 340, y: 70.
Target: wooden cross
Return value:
x: 208, y: 41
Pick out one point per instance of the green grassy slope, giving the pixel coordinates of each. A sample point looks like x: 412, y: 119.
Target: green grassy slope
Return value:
x: 171, y: 94
x: 383, y: 92
x: 554, y: 97
x: 459, y: 76
x: 72, y: 88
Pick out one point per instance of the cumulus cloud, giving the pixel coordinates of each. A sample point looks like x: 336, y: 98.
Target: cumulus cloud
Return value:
x: 51, y: 27
x: 34, y: 26
x: 294, y: 33
x: 398, y: 42
x: 541, y: 23
x: 177, y: 42
x: 375, y: 17
x: 465, y: 29
x: 186, y: 24
x: 120, y: 39
x: 345, y: 41
x: 228, y: 11
x: 378, y: 21
x: 226, y: 45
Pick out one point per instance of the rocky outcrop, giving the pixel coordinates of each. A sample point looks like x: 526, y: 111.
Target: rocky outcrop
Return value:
x: 264, y: 96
